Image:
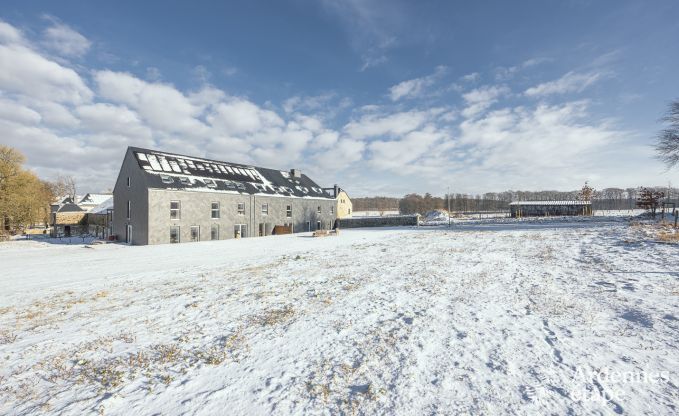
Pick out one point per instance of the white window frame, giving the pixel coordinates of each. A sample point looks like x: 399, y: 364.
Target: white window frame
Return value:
x: 241, y: 211
x: 214, y: 210
x: 318, y: 210
x: 265, y: 209
x: 178, y: 210
x: 288, y: 211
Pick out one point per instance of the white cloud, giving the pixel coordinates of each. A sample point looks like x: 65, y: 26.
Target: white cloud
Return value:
x: 390, y: 125
x: 473, y: 77
x: 570, y: 82
x: 241, y: 116
x: 480, y: 99
x: 395, y: 155
x: 114, y: 119
x: 66, y: 41
x: 24, y: 71
x: 161, y: 105
x: 415, y: 87
x: 503, y: 73
x: 12, y: 111
x: 9, y: 34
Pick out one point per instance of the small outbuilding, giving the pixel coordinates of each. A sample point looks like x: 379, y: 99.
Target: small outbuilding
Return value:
x: 520, y: 209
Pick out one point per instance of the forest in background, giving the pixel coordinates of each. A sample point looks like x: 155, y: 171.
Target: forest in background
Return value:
x: 608, y: 198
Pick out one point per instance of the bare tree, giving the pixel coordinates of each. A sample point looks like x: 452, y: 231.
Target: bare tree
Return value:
x: 667, y: 144
x: 586, y: 193
x: 649, y: 199
x: 64, y: 186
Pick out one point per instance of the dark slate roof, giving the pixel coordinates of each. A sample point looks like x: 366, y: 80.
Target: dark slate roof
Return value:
x: 174, y: 171
x: 70, y: 207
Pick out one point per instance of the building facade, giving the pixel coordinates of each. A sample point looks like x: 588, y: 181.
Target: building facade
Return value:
x: 344, y: 206
x: 168, y: 198
x: 519, y: 209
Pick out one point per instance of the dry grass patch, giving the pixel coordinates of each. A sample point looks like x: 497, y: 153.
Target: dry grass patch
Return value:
x: 668, y: 236
x: 275, y: 316
x: 7, y: 337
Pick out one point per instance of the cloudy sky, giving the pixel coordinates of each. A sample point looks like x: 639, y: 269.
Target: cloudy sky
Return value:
x: 382, y: 97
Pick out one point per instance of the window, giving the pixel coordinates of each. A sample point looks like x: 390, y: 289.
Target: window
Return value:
x: 214, y: 232
x: 175, y: 210
x: 166, y: 179
x: 210, y: 183
x: 129, y: 209
x: 128, y: 181
x: 319, y: 209
x: 349, y: 211
x: 240, y: 231
x: 332, y: 209
x: 184, y: 180
x: 174, y: 234
x: 265, y: 209
x: 318, y: 225
x: 195, y: 233
x: 288, y: 211
x: 241, y: 208
x: 215, y: 210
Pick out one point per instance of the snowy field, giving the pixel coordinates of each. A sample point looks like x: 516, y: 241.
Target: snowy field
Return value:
x: 497, y: 318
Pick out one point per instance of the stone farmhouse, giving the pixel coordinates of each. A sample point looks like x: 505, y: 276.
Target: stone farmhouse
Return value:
x: 162, y: 197
x: 81, y: 215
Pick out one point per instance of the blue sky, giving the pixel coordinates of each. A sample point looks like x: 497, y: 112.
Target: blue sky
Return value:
x: 382, y: 97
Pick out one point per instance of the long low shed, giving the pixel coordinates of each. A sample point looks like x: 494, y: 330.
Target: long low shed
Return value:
x: 520, y: 209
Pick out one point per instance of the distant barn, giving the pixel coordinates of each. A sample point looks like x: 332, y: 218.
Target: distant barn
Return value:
x: 520, y: 209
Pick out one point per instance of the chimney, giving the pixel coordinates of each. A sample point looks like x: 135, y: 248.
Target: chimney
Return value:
x: 336, y: 189
x: 295, y: 173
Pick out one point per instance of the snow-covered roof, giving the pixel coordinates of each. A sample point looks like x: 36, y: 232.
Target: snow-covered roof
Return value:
x: 103, y: 207
x: 179, y: 172
x: 550, y: 203
x: 94, y: 199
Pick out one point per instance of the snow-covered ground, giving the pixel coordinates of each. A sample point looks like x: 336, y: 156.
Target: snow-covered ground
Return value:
x: 514, y: 317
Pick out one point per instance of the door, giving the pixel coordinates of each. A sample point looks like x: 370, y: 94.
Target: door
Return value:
x: 67, y: 231
x: 195, y: 233
x: 240, y: 231
x: 128, y: 234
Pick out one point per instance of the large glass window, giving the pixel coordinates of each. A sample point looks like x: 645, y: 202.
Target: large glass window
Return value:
x: 174, y: 234
x: 215, y: 210
x: 175, y: 210
x: 195, y: 233
x: 241, y: 208
x: 214, y: 232
x: 288, y: 211
x: 240, y: 231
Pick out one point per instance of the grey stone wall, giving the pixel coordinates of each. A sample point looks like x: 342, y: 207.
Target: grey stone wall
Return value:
x: 387, y: 221
x: 196, y: 211
x: 138, y: 195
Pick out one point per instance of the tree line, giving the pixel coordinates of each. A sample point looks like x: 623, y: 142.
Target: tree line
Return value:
x: 608, y: 198
x: 25, y: 198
